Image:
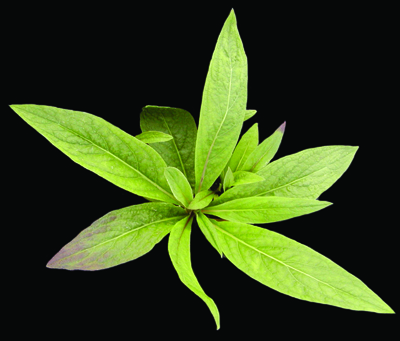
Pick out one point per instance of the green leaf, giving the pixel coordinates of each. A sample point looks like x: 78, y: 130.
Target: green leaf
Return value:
x: 249, y: 114
x: 228, y: 179
x: 208, y: 230
x: 244, y: 148
x: 265, y: 209
x: 294, y: 269
x: 180, y: 187
x: 118, y: 237
x: 201, y: 200
x: 263, y: 154
x: 178, y: 152
x: 243, y: 177
x: 153, y: 136
x: 223, y: 106
x: 179, y: 251
x: 102, y: 148
x: 306, y: 174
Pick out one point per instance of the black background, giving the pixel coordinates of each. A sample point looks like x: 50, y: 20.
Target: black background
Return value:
x: 326, y: 71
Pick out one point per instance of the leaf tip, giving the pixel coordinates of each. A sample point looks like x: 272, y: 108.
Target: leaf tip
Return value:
x: 51, y: 264
x: 282, y: 127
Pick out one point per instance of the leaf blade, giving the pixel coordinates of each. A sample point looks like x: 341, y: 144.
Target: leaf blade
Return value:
x: 201, y: 200
x: 118, y: 237
x: 153, y: 137
x: 228, y: 179
x: 179, y: 251
x: 262, y: 210
x: 244, y: 148
x: 102, y: 148
x: 179, y: 185
x: 294, y: 269
x: 261, y: 155
x: 223, y: 106
x: 249, y: 114
x: 243, y: 177
x: 178, y: 123
x: 208, y: 230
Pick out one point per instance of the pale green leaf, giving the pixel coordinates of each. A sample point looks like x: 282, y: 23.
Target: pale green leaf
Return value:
x: 118, y: 237
x: 178, y: 152
x: 229, y: 179
x: 306, y: 174
x: 244, y: 148
x: 179, y: 251
x: 263, y: 154
x: 208, y: 230
x: 223, y: 106
x: 249, y: 114
x: 243, y: 177
x: 153, y: 136
x: 294, y: 269
x: 201, y: 200
x: 265, y: 209
x: 102, y: 148
x: 180, y: 187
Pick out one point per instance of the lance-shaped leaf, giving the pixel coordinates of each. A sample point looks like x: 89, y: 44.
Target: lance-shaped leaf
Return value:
x: 178, y: 123
x: 243, y: 177
x: 118, y: 237
x: 223, y: 106
x: 179, y: 251
x: 102, y: 148
x: 263, y: 154
x: 244, y: 148
x: 265, y: 209
x: 306, y: 174
x: 228, y: 179
x: 201, y: 200
x: 249, y: 114
x: 179, y: 185
x: 153, y: 137
x: 294, y: 269
x: 208, y: 230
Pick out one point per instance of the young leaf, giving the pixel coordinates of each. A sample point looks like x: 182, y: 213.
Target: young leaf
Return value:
x: 179, y: 185
x: 179, y: 251
x: 264, y: 152
x: 208, y: 230
x: 102, y: 148
x: 244, y: 148
x: 118, y: 237
x: 243, y: 177
x: 223, y: 106
x: 178, y: 152
x: 153, y: 136
x: 265, y: 209
x: 294, y: 269
x: 306, y: 174
x: 201, y: 200
x: 249, y: 114
x: 229, y: 179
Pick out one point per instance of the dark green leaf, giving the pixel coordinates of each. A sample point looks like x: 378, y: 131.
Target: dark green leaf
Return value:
x: 178, y: 152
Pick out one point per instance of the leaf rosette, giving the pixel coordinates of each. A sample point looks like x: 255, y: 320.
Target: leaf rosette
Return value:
x: 208, y: 175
